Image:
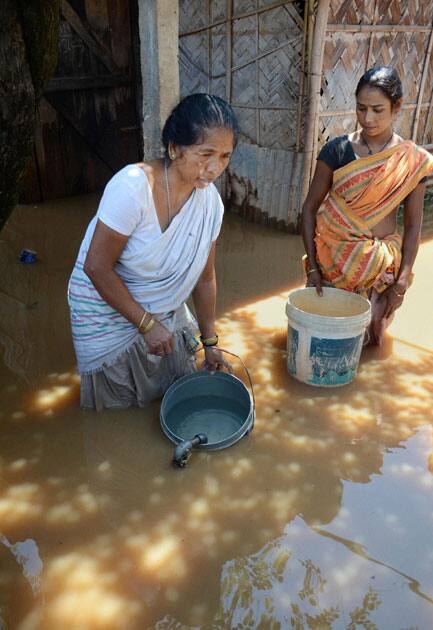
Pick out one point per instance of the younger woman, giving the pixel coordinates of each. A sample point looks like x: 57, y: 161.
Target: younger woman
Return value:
x: 349, y: 218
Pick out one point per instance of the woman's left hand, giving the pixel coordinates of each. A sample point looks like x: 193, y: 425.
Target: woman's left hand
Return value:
x: 214, y: 360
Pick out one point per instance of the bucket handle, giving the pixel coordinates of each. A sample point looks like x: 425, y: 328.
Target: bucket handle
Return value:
x: 248, y: 375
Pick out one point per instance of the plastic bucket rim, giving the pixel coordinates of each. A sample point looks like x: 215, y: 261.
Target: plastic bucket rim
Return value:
x: 318, y: 315
x: 244, y: 427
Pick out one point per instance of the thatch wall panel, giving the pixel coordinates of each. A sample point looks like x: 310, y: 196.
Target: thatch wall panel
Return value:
x: 245, y: 88
x: 250, y: 52
x: 279, y: 127
x: 351, y: 12
x: 247, y: 117
x: 406, y: 53
x: 218, y: 10
x: 243, y: 6
x: 410, y: 12
x: 344, y: 62
x: 193, y: 15
x: 194, y: 62
x: 330, y: 127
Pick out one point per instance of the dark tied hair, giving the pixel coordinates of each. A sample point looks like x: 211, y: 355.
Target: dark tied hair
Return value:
x: 196, y: 113
x: 384, y: 78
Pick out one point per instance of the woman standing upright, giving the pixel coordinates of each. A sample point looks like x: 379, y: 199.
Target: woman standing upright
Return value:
x: 150, y: 245
x: 349, y: 219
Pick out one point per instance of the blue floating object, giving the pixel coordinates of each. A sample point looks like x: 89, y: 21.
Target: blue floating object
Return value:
x: 28, y: 256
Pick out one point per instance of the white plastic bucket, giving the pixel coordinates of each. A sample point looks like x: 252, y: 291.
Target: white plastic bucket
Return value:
x: 325, y: 335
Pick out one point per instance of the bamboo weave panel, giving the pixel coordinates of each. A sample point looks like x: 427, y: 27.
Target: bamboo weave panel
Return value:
x: 388, y: 12
x: 265, y: 60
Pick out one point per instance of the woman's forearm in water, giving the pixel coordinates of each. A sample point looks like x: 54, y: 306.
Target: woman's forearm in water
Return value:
x: 105, y: 249
x: 413, y: 212
x: 204, y: 297
x: 319, y: 188
x: 409, y: 252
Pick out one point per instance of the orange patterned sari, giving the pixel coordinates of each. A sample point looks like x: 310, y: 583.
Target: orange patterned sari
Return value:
x: 363, y: 193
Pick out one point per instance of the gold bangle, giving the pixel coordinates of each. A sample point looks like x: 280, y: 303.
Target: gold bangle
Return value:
x: 210, y: 341
x: 142, y: 320
x: 312, y: 270
x: 150, y: 324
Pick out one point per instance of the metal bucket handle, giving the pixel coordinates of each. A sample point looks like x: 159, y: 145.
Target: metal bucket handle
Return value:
x: 248, y: 374
x: 182, y: 452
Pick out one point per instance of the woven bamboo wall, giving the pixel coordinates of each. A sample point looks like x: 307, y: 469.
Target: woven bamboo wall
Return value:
x: 266, y: 58
x: 249, y: 52
x: 378, y: 32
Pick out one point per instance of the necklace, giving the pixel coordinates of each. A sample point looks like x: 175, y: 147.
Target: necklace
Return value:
x: 167, y: 192
x: 370, y: 152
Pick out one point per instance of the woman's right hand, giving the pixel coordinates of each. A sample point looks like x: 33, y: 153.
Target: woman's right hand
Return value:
x: 314, y: 279
x: 159, y: 340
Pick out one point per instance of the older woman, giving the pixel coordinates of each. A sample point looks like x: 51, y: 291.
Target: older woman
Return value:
x: 350, y: 214
x: 150, y: 245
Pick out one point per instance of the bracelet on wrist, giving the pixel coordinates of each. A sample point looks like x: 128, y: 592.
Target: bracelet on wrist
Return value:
x: 143, y: 326
x: 151, y: 323
x: 209, y: 341
x: 312, y: 270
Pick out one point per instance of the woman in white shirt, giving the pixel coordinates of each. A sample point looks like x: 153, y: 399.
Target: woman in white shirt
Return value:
x: 150, y: 245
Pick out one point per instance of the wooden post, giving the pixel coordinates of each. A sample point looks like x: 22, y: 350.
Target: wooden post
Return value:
x: 314, y: 86
x: 158, y: 22
x: 421, y: 87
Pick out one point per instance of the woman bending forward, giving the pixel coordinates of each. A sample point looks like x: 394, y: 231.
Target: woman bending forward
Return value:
x: 150, y: 245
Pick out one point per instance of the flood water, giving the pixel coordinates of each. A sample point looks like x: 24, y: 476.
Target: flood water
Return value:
x: 321, y: 518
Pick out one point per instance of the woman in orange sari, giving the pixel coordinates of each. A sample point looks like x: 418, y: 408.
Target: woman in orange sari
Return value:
x: 349, y: 218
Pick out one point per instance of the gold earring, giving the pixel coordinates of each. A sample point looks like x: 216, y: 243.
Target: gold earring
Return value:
x: 172, y: 155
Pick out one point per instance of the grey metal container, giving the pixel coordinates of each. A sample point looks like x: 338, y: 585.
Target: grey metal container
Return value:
x: 216, y: 405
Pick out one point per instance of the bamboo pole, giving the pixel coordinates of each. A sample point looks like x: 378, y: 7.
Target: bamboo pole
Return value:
x: 315, y: 83
x: 229, y: 43
x: 351, y: 112
x: 302, y: 79
x: 209, y: 48
x: 421, y: 88
x: 257, y: 77
x: 294, y: 187
x: 428, y: 117
x: 310, y: 34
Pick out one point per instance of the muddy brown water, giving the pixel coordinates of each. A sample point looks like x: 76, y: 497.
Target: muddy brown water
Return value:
x: 321, y: 518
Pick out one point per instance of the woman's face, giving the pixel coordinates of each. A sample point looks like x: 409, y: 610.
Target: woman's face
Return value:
x: 200, y: 164
x: 375, y: 111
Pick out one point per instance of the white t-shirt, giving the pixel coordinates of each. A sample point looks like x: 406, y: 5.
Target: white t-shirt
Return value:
x: 127, y: 207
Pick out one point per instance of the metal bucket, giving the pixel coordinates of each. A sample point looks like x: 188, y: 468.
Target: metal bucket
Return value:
x: 206, y: 410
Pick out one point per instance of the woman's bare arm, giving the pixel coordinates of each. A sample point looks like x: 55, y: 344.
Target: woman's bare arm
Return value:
x: 413, y: 213
x: 204, y: 297
x: 104, y: 251
x: 319, y: 188
x: 393, y: 296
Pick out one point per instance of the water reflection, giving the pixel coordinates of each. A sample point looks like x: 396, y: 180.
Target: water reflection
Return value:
x: 321, y: 518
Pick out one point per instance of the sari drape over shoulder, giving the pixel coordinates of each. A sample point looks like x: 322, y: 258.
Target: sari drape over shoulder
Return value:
x: 363, y: 193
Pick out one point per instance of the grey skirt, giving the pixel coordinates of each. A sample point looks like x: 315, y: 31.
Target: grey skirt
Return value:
x: 136, y: 377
